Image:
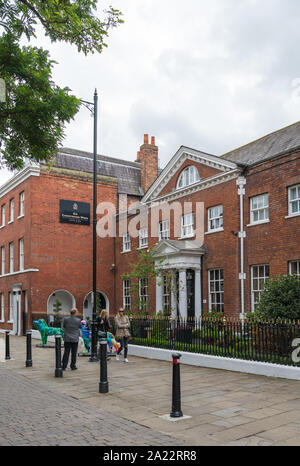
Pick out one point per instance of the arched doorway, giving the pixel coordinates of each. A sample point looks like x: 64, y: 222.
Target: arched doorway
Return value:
x: 61, y: 300
x: 88, y: 307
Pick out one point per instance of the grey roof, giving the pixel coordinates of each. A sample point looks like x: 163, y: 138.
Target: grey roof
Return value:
x: 127, y: 173
x: 184, y: 245
x: 267, y: 147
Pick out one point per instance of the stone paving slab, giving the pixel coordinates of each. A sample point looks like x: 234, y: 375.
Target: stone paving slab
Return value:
x: 224, y: 408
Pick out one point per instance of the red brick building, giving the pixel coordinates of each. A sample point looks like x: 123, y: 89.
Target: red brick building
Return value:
x: 238, y: 224
x: 246, y: 228
x: 45, y: 256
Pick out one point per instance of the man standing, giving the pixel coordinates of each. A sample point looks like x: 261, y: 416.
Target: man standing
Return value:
x: 71, y: 326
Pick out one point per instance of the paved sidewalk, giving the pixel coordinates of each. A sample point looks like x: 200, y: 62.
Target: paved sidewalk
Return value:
x: 225, y: 408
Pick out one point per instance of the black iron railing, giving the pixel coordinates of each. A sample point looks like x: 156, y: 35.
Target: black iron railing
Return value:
x: 265, y: 341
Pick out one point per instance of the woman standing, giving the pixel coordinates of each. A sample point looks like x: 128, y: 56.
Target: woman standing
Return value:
x: 103, y: 325
x: 103, y: 322
x: 122, y: 333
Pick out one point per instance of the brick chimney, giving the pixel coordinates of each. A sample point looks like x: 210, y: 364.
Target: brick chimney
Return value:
x: 148, y: 158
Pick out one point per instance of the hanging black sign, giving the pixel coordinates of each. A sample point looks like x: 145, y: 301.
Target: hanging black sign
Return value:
x: 74, y: 212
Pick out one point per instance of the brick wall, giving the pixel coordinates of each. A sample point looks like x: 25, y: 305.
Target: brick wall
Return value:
x: 63, y: 252
x: 273, y: 243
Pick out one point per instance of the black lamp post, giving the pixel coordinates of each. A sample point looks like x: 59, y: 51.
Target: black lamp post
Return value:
x: 93, y: 107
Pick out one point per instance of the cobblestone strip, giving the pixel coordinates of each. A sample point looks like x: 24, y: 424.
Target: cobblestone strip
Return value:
x: 33, y: 415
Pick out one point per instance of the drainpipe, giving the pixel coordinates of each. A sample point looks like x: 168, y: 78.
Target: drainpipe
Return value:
x: 241, y: 182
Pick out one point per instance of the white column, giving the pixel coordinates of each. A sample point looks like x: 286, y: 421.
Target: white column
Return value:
x: 159, y: 294
x: 182, y: 294
x: 173, y: 297
x: 198, y: 297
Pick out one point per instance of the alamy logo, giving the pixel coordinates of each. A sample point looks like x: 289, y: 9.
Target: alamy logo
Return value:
x: 2, y: 91
x: 186, y: 220
x: 295, y: 353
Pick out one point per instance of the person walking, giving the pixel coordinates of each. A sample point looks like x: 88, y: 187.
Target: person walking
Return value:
x: 122, y: 333
x: 71, y: 326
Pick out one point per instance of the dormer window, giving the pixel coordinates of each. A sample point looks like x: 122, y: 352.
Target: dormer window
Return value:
x: 187, y: 177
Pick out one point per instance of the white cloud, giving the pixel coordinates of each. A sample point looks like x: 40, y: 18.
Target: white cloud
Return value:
x: 210, y: 75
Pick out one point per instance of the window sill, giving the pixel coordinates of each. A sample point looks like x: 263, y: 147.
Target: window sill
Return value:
x: 293, y: 215
x: 217, y: 230
x: 20, y: 216
x: 186, y: 237
x: 2, y: 226
x: 258, y: 223
x: 124, y: 252
x: 18, y: 272
x: 11, y: 221
x: 10, y: 321
x: 142, y: 247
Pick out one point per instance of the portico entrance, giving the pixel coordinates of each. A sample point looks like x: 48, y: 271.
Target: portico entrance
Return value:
x: 183, y: 259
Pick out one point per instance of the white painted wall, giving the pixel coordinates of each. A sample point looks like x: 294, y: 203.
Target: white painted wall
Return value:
x: 215, y: 362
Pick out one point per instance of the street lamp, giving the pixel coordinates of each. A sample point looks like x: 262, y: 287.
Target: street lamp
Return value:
x: 93, y: 107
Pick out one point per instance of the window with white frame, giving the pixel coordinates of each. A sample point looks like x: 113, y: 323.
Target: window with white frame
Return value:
x: 294, y: 268
x: 259, y: 208
x: 259, y: 275
x: 1, y: 307
x: 188, y: 176
x: 3, y: 215
x: 143, y: 292
x: 11, y: 257
x: 2, y: 260
x: 215, y: 218
x: 21, y: 204
x: 187, y: 225
x: 163, y: 230
x: 216, y: 290
x: 21, y: 254
x: 143, y: 237
x: 126, y: 243
x: 294, y: 200
x: 126, y: 294
x: 11, y: 210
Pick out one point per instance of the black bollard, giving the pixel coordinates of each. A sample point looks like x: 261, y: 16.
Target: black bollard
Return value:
x: 58, y: 368
x: 7, y: 352
x: 28, y: 362
x: 103, y: 385
x: 176, y: 401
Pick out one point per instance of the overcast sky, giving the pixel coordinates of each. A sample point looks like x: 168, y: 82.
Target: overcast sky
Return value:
x: 209, y: 74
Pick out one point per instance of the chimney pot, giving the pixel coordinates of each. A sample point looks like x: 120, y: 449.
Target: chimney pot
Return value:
x: 146, y: 139
x: 153, y: 140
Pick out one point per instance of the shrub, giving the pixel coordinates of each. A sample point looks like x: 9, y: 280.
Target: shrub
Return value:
x: 280, y: 298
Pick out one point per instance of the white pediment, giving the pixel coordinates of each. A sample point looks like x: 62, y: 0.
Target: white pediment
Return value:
x: 177, y: 254
x: 183, y: 154
x: 171, y: 247
x: 164, y: 249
